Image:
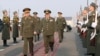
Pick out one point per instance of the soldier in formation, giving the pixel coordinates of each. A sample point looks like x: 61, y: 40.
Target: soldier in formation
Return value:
x: 6, y: 28
x: 15, y: 27
x: 91, y: 28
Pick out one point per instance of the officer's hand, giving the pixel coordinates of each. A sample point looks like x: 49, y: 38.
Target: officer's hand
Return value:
x: 55, y: 32
x: 35, y: 32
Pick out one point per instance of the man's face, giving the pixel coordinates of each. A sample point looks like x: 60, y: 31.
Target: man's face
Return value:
x: 6, y: 13
x: 35, y: 15
x: 59, y: 14
x: 85, y: 11
x: 16, y: 14
x: 27, y: 14
x: 91, y: 8
x: 47, y: 15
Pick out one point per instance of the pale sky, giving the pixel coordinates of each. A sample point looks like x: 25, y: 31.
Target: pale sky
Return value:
x: 68, y: 7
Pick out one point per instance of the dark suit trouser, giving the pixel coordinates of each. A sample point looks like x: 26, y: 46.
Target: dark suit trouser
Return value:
x: 60, y: 32
x: 28, y: 41
x: 48, y: 42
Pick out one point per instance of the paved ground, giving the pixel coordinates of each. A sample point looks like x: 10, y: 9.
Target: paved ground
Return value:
x: 71, y: 46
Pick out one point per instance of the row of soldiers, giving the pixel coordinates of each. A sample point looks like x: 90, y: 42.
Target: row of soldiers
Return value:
x: 89, y: 29
x: 33, y: 26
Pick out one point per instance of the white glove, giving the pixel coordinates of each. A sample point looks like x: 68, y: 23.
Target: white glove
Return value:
x: 94, y: 25
x: 80, y: 23
x: 84, y: 29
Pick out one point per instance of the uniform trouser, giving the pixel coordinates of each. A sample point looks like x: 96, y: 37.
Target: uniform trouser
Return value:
x: 48, y: 42
x: 90, y: 48
x: 97, y: 53
x: 28, y: 41
x: 37, y: 37
x: 14, y: 39
x: 60, y: 32
x: 4, y: 42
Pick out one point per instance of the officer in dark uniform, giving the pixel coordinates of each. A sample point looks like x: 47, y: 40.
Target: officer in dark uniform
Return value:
x: 48, y: 27
x: 15, y: 26
x: 91, y: 29
x: 6, y: 28
x: 61, y: 24
x: 27, y: 31
x: 97, y: 53
x: 84, y: 27
x: 37, y: 21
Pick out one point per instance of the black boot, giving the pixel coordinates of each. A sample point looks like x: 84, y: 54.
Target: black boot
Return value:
x: 25, y: 55
x: 38, y: 36
x: 15, y: 41
x: 35, y: 38
x: 93, y: 54
x: 5, y: 43
x: 51, y: 44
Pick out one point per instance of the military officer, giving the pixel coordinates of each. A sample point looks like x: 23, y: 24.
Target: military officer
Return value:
x: 27, y: 31
x: 6, y: 29
x: 61, y: 23
x: 15, y: 26
x: 97, y: 53
x: 91, y: 30
x: 37, y: 21
x: 84, y: 27
x: 48, y: 27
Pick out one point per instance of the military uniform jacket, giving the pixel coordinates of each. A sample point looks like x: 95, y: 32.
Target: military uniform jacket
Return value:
x: 6, y: 28
x: 48, y: 26
x: 37, y: 24
x: 60, y: 23
x: 27, y: 27
x: 15, y: 26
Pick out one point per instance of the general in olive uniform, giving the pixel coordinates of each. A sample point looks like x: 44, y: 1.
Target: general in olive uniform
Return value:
x: 60, y: 24
x: 48, y: 27
x: 27, y: 31
x: 15, y: 27
x: 91, y: 28
x: 6, y: 28
x: 38, y: 29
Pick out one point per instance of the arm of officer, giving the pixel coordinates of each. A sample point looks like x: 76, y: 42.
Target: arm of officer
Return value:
x: 21, y: 27
x: 56, y: 25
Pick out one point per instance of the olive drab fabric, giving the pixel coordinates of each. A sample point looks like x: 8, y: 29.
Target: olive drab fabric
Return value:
x: 48, y: 26
x: 97, y: 53
x: 37, y: 24
x: 27, y: 27
x: 15, y: 27
x: 6, y: 28
x: 90, y: 44
x: 60, y: 23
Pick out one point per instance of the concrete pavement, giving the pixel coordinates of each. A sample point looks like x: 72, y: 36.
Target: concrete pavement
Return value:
x: 71, y: 46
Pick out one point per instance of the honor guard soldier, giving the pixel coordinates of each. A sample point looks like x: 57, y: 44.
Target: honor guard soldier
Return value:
x: 91, y: 33
x: 15, y: 26
x: 97, y: 53
x: 6, y: 28
x: 61, y: 24
x: 84, y: 27
x: 37, y: 21
x: 48, y: 27
x: 27, y: 31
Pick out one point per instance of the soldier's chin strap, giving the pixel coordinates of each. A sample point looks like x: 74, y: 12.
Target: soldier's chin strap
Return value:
x: 94, y: 24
